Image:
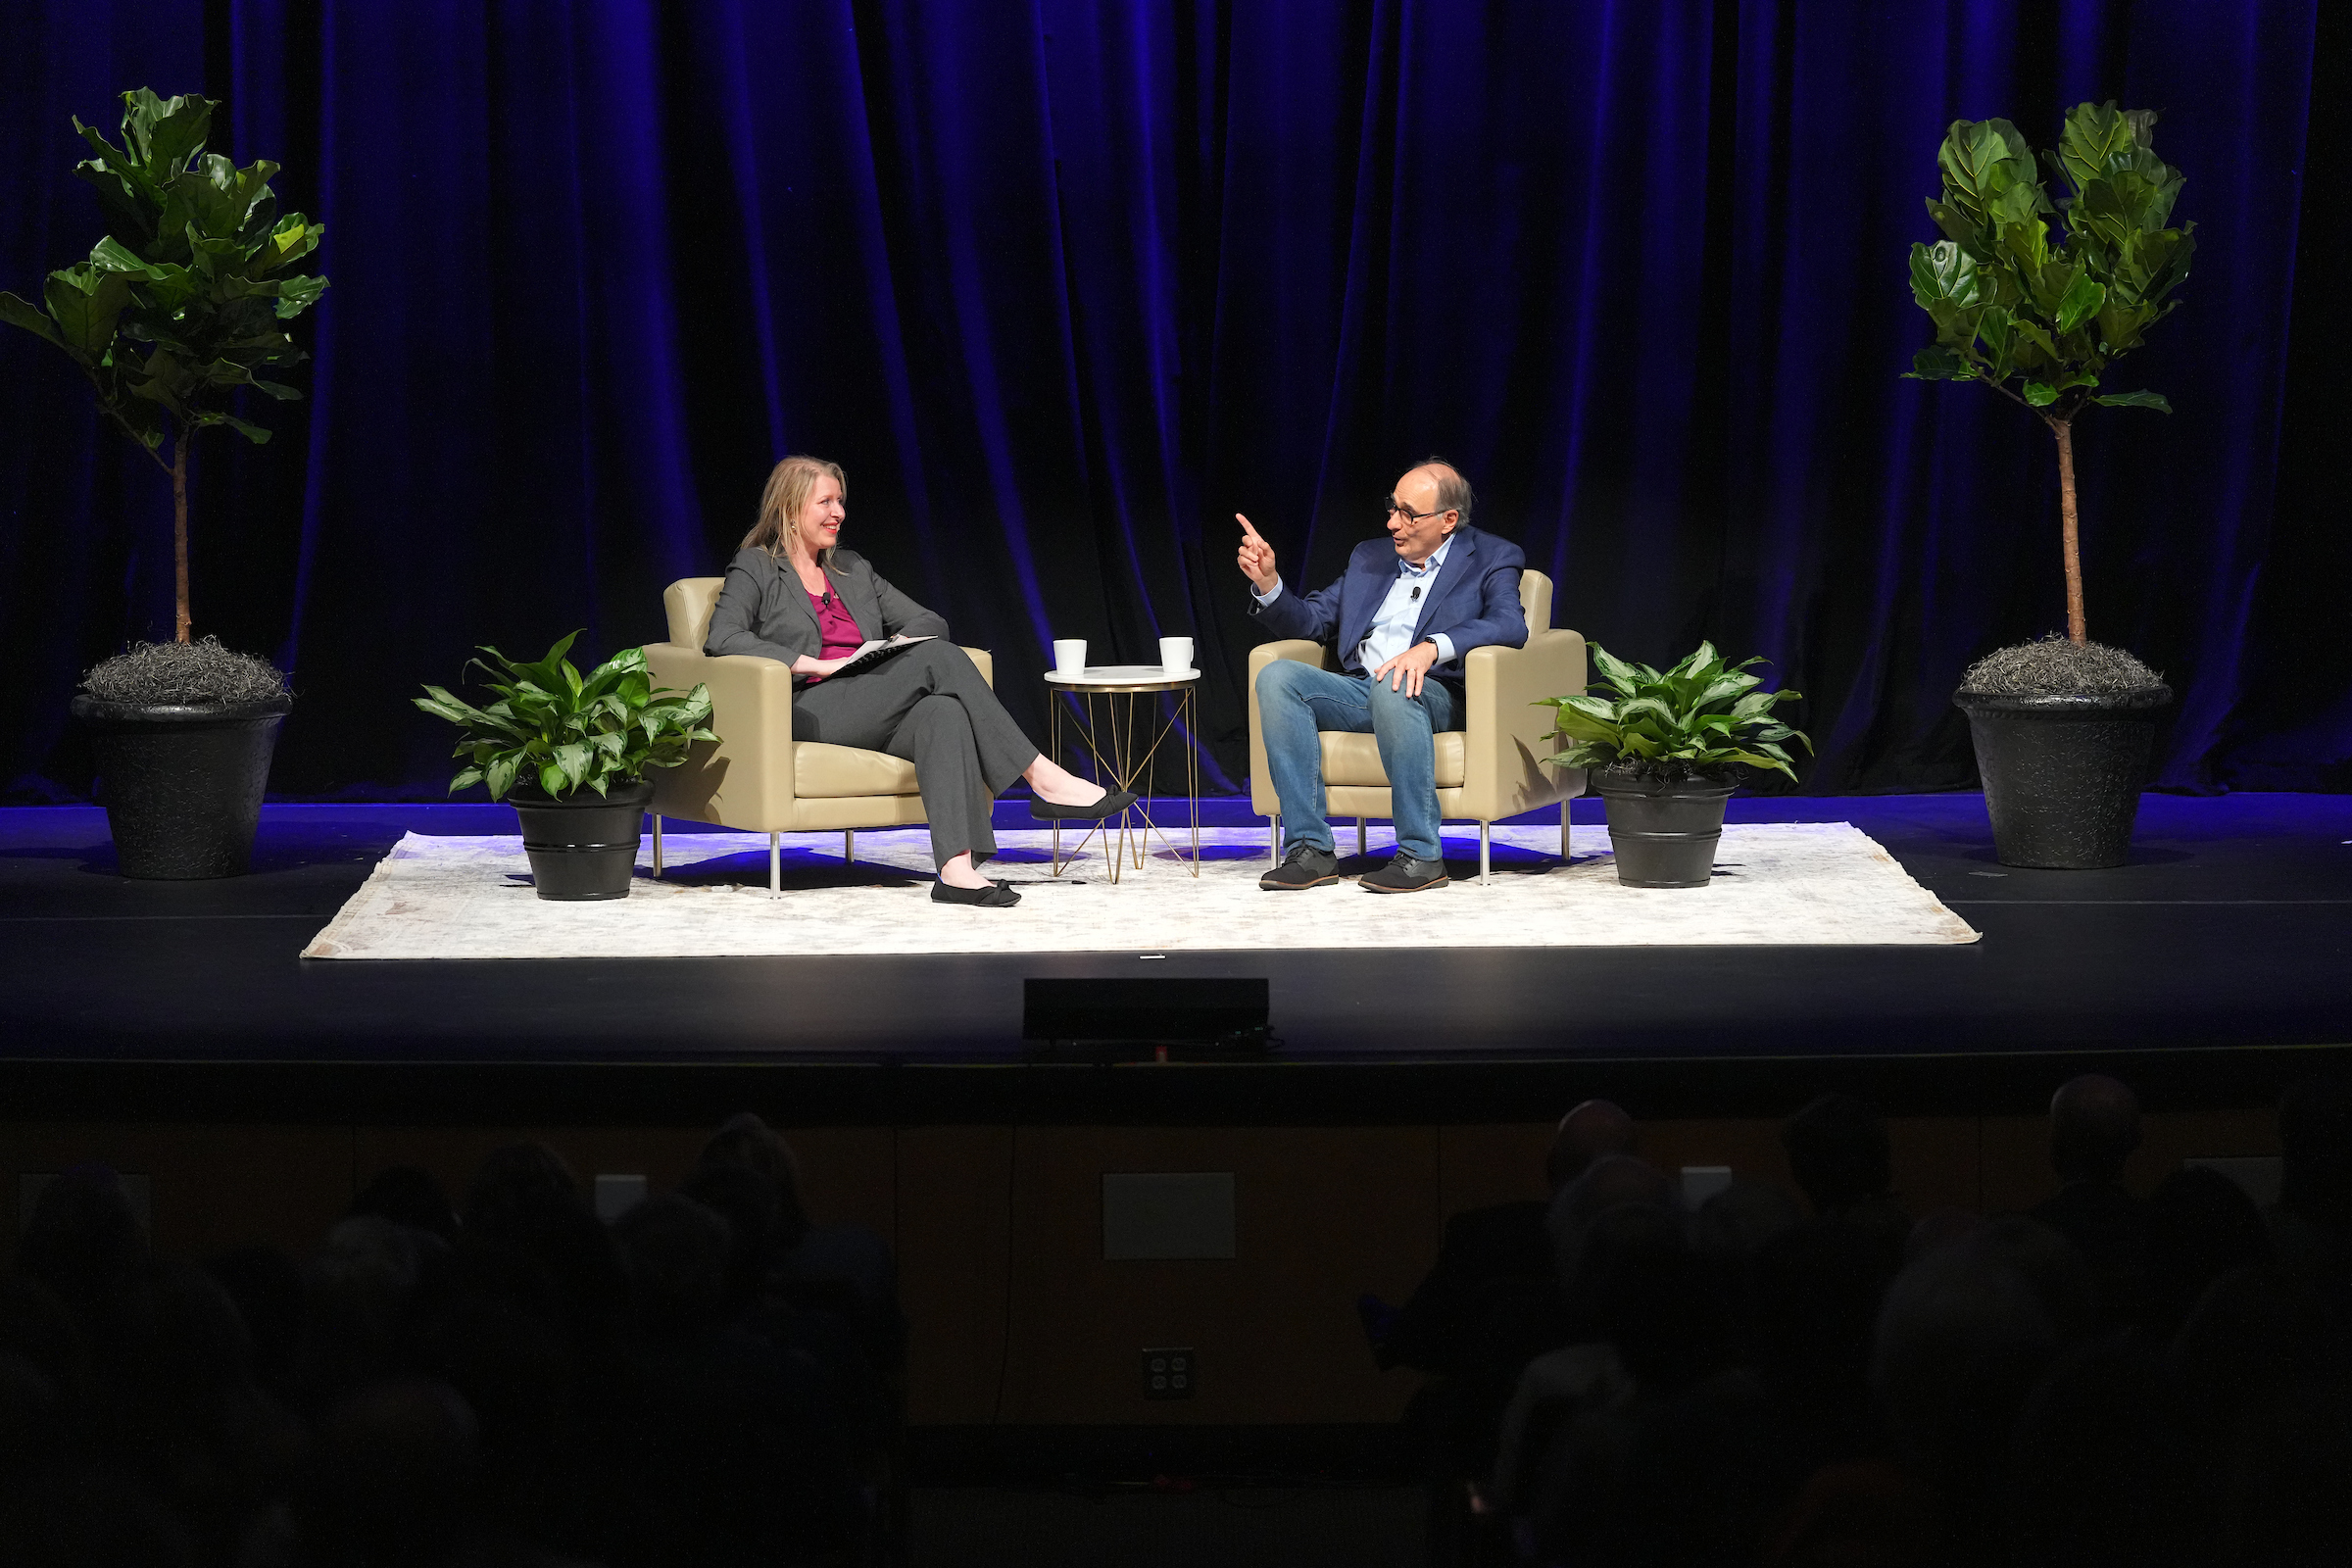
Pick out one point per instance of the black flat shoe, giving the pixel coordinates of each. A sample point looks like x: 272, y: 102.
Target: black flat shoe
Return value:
x: 1110, y: 805
x: 995, y: 896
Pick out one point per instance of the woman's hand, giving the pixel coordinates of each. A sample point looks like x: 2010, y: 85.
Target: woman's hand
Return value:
x: 807, y: 666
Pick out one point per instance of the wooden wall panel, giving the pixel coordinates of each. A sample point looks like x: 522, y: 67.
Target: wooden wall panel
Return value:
x: 954, y: 1188
x: 1479, y: 1166
x: 1752, y: 1148
x: 1322, y: 1215
x: 1936, y: 1161
x: 213, y: 1186
x: 849, y: 1175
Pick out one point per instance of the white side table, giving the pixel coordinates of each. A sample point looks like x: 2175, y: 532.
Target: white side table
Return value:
x: 1126, y: 730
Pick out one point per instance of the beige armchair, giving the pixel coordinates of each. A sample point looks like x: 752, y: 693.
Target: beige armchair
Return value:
x: 756, y: 778
x: 1491, y: 768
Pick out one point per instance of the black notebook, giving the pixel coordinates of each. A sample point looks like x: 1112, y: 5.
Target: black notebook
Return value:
x: 875, y: 654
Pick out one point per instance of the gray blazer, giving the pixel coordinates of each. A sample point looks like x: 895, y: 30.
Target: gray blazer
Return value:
x: 764, y: 610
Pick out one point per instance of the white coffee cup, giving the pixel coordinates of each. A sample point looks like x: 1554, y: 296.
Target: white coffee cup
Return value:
x: 1069, y: 655
x: 1175, y: 656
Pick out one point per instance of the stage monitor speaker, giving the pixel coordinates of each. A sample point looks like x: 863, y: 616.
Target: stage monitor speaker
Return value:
x: 1173, y: 1010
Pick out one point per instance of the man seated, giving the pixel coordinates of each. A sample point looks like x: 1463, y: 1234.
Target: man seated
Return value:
x: 1403, y: 616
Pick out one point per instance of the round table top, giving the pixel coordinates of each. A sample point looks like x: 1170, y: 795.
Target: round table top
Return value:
x: 1125, y: 678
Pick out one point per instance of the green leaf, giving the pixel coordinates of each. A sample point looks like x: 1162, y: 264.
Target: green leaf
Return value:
x: 250, y: 432
x: 85, y: 303
x: 2134, y: 400
x: 2081, y: 301
x: 298, y: 294
x: 24, y: 314
x: 1943, y: 273
x: 2041, y: 394
x: 1939, y: 364
x: 466, y: 779
x: 500, y: 775
x: 1612, y: 669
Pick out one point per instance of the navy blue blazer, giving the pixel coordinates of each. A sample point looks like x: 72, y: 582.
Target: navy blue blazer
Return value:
x: 1475, y: 602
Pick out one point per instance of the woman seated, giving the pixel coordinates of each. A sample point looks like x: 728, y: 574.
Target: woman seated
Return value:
x: 792, y: 595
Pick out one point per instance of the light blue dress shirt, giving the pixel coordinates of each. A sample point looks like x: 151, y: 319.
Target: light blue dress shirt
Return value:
x: 1392, y: 630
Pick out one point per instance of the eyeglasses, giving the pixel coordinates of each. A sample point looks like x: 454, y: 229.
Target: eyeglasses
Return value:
x: 1397, y: 509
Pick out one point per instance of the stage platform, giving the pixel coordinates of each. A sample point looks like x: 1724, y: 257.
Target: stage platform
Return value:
x: 2213, y: 968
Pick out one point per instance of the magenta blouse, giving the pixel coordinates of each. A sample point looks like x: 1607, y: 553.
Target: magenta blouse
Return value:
x: 837, y: 626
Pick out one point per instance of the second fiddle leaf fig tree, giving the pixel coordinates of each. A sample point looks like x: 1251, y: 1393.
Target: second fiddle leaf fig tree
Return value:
x: 2039, y: 297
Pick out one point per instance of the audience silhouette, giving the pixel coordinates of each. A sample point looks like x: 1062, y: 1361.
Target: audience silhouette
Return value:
x: 712, y: 1379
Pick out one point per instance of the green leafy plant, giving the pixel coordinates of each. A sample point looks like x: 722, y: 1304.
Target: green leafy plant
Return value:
x: 180, y: 304
x: 2012, y: 305
x: 1701, y: 719
x: 554, y: 728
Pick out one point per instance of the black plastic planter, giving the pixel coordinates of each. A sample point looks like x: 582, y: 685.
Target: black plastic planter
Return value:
x: 182, y: 786
x: 2063, y: 774
x: 584, y: 846
x: 1664, y: 833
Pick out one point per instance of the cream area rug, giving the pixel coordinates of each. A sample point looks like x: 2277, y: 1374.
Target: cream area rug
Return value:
x: 1782, y: 884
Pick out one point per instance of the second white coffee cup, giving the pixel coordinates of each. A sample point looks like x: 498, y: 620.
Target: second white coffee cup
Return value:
x: 1069, y: 655
x: 1176, y: 656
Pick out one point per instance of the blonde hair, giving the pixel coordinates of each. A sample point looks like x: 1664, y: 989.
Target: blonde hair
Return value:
x: 788, y: 486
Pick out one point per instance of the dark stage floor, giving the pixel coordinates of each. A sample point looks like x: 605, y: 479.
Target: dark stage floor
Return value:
x: 2215, y: 961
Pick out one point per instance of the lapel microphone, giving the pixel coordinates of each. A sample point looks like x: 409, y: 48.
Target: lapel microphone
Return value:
x: 1415, y: 594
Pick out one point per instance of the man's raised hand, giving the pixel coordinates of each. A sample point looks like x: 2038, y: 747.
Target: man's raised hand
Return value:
x: 1256, y: 558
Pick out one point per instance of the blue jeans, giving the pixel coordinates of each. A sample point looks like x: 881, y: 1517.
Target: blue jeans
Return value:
x: 1296, y: 702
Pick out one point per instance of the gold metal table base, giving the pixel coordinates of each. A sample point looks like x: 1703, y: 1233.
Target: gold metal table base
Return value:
x: 1126, y: 730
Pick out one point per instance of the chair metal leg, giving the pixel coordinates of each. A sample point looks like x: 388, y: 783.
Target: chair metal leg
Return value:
x: 775, y: 862
x: 1359, y: 835
x: 1484, y: 828
x: 848, y: 845
x: 1274, y: 838
x: 657, y: 844
x: 1565, y: 856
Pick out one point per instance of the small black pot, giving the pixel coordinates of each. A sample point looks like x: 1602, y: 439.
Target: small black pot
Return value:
x: 2063, y: 774
x: 182, y: 785
x: 583, y: 846
x: 1664, y: 832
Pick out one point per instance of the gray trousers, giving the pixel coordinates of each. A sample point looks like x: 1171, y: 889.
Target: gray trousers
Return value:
x: 930, y: 706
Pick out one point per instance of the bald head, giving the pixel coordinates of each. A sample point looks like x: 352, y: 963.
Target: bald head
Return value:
x: 2094, y: 1126
x: 1591, y: 1131
x: 1450, y: 491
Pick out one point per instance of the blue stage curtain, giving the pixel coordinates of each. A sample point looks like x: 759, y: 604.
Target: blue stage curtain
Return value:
x: 1065, y: 284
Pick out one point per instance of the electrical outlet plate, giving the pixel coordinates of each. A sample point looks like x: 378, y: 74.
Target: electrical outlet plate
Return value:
x: 1171, y: 1372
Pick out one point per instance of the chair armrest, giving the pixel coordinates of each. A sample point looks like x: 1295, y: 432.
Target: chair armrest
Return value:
x: 1507, y: 735
x: 746, y: 776
x: 986, y: 663
x: 1262, y: 799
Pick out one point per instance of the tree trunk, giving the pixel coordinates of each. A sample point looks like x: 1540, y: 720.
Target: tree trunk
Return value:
x: 180, y: 529
x: 2068, y: 531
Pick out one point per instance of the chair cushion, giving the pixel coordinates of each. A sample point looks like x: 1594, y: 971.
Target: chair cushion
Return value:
x: 1355, y: 760
x: 821, y: 771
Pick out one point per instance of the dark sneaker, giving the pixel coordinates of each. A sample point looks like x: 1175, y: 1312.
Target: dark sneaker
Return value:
x: 1305, y: 866
x: 1404, y: 874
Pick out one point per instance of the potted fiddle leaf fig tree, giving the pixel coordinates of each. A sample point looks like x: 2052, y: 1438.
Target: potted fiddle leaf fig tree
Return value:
x: 181, y: 306
x: 570, y: 752
x: 2062, y: 727
x: 1665, y: 749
